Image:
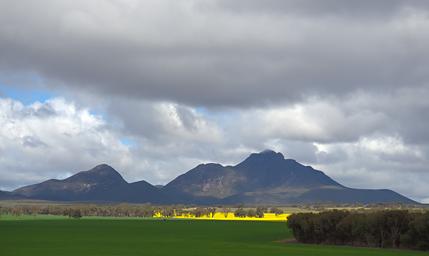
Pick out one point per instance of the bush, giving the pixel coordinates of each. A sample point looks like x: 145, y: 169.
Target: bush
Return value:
x: 251, y: 213
x: 75, y: 213
x: 240, y: 212
x: 276, y: 211
x: 260, y: 212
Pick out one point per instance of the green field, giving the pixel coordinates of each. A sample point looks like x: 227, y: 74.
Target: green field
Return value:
x: 59, y: 236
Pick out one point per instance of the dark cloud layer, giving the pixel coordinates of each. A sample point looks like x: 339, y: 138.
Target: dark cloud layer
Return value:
x: 199, y: 53
x: 379, y: 9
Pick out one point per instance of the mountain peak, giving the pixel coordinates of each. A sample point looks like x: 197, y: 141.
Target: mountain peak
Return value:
x: 100, y: 174
x: 265, y: 155
x: 103, y: 168
x: 269, y: 152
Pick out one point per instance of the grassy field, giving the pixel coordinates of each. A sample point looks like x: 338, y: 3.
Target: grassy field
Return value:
x: 97, y: 236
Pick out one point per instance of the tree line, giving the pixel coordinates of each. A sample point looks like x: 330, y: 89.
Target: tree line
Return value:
x: 130, y: 210
x: 79, y: 210
x: 256, y: 213
x: 384, y: 229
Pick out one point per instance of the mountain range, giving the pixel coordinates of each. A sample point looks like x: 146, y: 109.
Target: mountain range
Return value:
x: 262, y: 178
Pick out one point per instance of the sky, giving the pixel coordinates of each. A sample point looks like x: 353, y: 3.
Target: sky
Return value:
x: 155, y: 87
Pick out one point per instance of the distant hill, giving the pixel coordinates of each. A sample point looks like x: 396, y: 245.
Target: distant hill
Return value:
x: 262, y: 178
x: 102, y: 183
x: 269, y: 178
x: 4, y: 195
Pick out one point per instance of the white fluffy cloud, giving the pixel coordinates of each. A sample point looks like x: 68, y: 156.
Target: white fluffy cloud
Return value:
x: 313, y: 120
x: 52, y: 139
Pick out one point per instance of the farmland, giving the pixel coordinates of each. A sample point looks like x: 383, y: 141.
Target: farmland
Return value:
x: 147, y: 236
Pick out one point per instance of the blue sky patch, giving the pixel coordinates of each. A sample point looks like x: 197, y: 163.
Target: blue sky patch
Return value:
x: 25, y: 95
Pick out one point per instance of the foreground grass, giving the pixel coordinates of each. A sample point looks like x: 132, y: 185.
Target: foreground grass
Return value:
x: 156, y: 237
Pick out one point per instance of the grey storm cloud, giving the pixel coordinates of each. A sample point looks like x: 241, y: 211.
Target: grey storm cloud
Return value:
x: 379, y: 9
x: 209, y: 53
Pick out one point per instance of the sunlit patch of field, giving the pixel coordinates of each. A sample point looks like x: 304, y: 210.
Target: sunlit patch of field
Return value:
x: 229, y: 216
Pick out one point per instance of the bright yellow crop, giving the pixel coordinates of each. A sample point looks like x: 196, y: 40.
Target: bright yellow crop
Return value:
x: 230, y: 216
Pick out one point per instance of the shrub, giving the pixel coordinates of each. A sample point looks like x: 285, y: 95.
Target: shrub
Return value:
x: 240, y: 212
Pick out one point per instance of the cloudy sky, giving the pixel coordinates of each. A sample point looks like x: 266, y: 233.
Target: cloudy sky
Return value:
x: 155, y: 87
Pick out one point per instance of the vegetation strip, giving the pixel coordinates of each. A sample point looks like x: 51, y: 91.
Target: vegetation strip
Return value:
x: 148, y: 211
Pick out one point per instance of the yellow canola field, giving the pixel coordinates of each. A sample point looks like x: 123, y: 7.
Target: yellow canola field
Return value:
x: 230, y: 216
